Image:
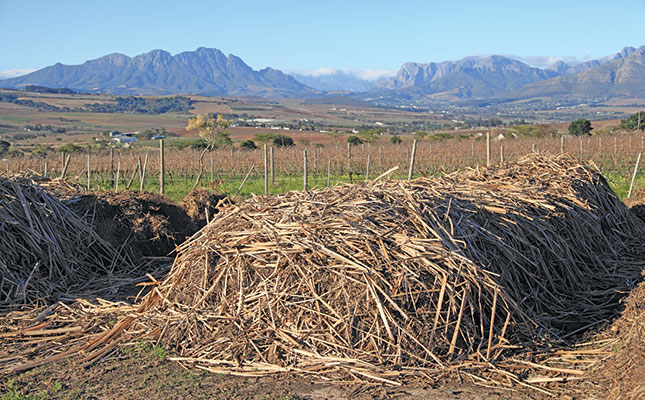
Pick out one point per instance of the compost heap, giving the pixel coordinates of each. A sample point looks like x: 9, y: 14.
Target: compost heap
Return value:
x: 143, y: 224
x: 48, y: 253
x: 416, y: 274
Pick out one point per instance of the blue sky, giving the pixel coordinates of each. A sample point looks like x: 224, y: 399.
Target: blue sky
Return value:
x: 308, y: 35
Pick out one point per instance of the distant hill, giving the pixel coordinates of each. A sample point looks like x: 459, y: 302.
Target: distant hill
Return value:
x: 335, y: 81
x: 564, y: 69
x: 203, y: 71
x: 622, y: 76
x: 475, y: 76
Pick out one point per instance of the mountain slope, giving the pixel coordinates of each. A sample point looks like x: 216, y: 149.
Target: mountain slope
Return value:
x: 203, y: 71
x: 471, y: 77
x: 335, y: 81
x: 622, y: 77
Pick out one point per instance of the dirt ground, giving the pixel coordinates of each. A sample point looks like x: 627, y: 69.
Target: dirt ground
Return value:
x: 142, y: 372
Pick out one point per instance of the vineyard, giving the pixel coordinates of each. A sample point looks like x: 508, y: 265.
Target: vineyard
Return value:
x: 240, y: 172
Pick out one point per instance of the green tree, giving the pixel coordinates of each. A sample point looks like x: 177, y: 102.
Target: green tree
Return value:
x: 264, y: 137
x: 420, y: 135
x: 354, y: 140
x: 580, y: 127
x: 213, y: 131
x: 369, y: 135
x: 248, y: 145
x: 395, y: 139
x: 282, y: 141
x: 634, y: 122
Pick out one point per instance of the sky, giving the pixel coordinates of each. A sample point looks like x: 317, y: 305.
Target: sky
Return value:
x: 370, y: 38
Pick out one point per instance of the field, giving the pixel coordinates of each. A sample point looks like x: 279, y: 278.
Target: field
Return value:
x: 465, y: 282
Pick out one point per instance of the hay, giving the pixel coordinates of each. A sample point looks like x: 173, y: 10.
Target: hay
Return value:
x: 402, y: 275
x: 47, y: 252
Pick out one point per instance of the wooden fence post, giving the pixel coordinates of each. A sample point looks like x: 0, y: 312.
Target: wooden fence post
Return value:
x: 561, y: 144
x: 488, y: 148
x: 212, y: 170
x: 328, y: 171
x: 161, y: 166
x: 501, y: 153
x: 266, y: 170
x: 581, y: 148
x: 367, y: 168
x: 304, y: 171
x: 88, y: 171
x: 118, y: 173
x: 272, y: 165
x: 412, y: 157
x: 45, y: 172
x: 112, y: 165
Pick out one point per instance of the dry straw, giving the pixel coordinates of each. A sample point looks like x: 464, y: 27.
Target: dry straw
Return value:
x: 394, y: 278
x: 48, y: 253
x: 420, y: 274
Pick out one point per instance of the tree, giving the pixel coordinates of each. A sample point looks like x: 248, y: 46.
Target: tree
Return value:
x: 282, y: 141
x: 395, y: 139
x: 248, y: 145
x: 264, y: 137
x: 354, y: 140
x: 580, y: 127
x: 419, y: 135
x: 636, y: 121
x: 213, y: 131
x: 370, y: 135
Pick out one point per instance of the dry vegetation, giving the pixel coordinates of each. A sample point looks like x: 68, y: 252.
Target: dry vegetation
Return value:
x: 493, y: 274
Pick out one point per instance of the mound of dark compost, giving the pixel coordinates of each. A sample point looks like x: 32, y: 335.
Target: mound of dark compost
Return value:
x: 143, y: 224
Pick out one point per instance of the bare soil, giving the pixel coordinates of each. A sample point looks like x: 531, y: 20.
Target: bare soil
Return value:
x: 141, y: 372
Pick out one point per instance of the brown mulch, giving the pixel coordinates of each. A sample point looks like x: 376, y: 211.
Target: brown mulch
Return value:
x: 145, y: 224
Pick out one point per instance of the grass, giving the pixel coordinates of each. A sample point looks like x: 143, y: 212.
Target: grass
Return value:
x: 12, y: 391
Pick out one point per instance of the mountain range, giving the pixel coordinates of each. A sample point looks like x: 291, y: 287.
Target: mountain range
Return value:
x: 203, y: 71
x: 209, y: 72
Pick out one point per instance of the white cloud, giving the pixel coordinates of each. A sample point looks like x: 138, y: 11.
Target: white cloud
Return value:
x: 365, y: 74
x: 546, y: 61
x: 12, y: 73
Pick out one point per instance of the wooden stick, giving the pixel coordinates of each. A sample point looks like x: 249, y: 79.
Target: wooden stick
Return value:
x: 244, y: 180
x: 631, y: 185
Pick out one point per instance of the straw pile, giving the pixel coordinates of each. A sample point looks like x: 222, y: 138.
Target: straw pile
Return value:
x: 47, y: 252
x: 402, y: 275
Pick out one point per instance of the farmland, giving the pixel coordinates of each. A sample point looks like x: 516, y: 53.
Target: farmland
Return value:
x: 498, y: 275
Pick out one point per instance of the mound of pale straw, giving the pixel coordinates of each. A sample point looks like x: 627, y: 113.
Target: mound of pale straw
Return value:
x: 403, y: 275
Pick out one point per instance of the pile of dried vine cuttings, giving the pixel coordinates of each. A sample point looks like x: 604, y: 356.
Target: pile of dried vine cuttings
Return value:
x: 477, y: 270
